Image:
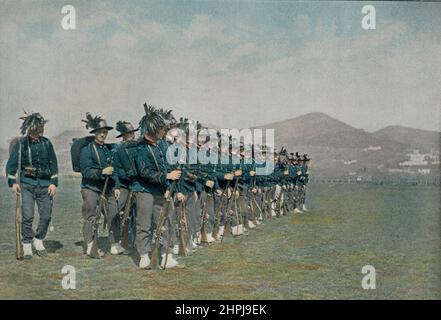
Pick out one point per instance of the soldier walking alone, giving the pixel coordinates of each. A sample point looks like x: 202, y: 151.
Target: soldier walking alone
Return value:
x: 32, y: 172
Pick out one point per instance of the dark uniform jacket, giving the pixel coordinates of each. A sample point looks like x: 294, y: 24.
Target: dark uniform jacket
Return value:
x: 151, y: 166
x: 94, y: 158
x: 222, y: 169
x: 303, y: 177
x: 125, y: 162
x: 38, y: 153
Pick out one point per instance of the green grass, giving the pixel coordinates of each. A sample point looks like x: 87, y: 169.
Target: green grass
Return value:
x: 318, y: 255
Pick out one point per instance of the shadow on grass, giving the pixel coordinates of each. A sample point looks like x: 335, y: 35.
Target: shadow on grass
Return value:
x: 52, y: 245
x: 104, y: 245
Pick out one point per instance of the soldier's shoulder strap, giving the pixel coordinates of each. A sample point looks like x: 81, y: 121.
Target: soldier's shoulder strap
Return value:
x: 14, y: 142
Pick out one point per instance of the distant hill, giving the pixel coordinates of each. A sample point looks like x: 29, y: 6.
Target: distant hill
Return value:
x: 335, y: 147
x: 331, y: 143
x: 418, y: 139
x: 319, y: 129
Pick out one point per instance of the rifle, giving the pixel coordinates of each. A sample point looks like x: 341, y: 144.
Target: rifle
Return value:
x: 126, y: 221
x: 253, y: 197
x: 270, y: 201
x: 171, y: 229
x: 205, y: 219
x: 183, y: 244
x: 227, y: 218
x: 219, y: 211
x: 18, y: 214
x: 159, y: 228
x: 101, y: 208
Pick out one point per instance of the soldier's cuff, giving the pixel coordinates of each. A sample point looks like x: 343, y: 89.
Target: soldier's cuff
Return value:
x: 54, y: 180
x: 11, y: 180
x: 117, y: 184
x: 100, y: 175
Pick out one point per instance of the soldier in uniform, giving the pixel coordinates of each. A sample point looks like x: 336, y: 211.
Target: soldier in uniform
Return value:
x: 224, y: 177
x: 124, y: 153
x: 210, y: 186
x: 32, y: 170
x: 165, y: 143
x: 303, y: 180
x: 244, y: 184
x: 188, y: 186
x: 97, y: 167
x: 299, y: 184
x: 151, y: 186
x: 233, y: 214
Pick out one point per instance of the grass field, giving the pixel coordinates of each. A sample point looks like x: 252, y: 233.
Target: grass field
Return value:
x: 318, y: 255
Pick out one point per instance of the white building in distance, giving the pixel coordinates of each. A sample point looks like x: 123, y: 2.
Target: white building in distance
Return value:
x: 415, y: 159
x: 372, y: 148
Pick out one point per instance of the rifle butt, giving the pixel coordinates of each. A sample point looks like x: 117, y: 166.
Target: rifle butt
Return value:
x: 154, y: 260
x: 125, y: 237
x: 18, y: 240
x: 94, y: 250
x: 126, y: 221
x: 204, y: 238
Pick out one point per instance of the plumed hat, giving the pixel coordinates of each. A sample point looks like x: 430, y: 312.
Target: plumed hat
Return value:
x: 124, y: 127
x: 152, y: 121
x: 95, y: 123
x: 33, y: 121
x: 168, y: 117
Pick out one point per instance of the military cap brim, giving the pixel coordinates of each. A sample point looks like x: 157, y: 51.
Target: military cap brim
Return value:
x: 105, y: 127
x: 130, y: 131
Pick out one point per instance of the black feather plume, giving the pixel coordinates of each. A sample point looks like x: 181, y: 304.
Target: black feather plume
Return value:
x: 33, y: 121
x: 121, y: 126
x: 152, y: 121
x: 92, y: 122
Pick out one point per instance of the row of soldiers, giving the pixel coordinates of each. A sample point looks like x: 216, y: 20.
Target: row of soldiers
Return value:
x: 160, y: 207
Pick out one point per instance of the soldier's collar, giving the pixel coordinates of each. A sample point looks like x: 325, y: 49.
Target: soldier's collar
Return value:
x: 150, y: 141
x: 30, y: 138
x: 98, y: 143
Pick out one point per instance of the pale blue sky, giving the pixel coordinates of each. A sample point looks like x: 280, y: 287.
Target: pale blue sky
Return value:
x: 230, y: 63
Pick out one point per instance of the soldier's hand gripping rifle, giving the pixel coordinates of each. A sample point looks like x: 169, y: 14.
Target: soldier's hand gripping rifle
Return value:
x: 154, y: 261
x: 18, y: 213
x: 100, y: 209
x: 126, y: 221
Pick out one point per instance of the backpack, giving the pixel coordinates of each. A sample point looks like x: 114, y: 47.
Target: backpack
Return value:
x: 126, y: 156
x: 75, y: 150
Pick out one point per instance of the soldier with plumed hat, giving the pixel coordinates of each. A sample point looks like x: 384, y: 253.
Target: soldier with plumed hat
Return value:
x: 99, y: 178
x: 150, y: 187
x: 126, y: 171
x: 32, y: 172
x: 303, y: 180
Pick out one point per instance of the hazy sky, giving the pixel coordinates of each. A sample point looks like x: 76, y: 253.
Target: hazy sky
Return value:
x: 229, y: 63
